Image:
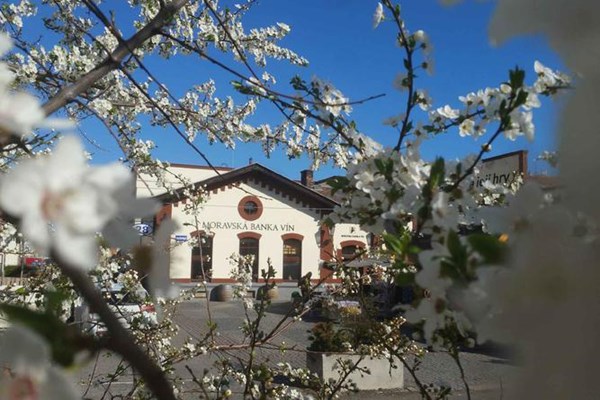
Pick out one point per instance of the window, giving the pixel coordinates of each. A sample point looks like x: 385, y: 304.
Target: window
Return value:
x: 250, y: 208
x: 249, y: 247
x: 202, y: 259
x: 349, y: 252
x: 292, y: 259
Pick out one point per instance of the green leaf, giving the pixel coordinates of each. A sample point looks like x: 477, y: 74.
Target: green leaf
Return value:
x: 404, y: 278
x: 338, y: 183
x: 64, y: 340
x: 517, y: 77
x: 454, y: 246
x: 502, y: 108
x: 492, y: 249
x: 436, y: 175
x: 237, y: 85
x: 399, y: 242
x: 380, y: 165
x: 412, y: 249
x: 54, y: 302
x: 521, y: 98
x: 459, y: 256
x: 393, y: 243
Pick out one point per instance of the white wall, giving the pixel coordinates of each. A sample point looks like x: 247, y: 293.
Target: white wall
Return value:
x: 346, y: 232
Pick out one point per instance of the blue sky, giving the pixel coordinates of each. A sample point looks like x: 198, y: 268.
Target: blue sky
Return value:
x: 338, y: 39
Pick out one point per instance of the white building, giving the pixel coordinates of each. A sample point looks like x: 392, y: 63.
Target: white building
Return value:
x: 252, y: 211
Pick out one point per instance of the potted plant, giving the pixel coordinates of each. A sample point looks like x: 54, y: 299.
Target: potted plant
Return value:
x: 341, y: 351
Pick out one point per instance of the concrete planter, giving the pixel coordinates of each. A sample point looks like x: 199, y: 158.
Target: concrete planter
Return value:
x: 268, y: 293
x: 381, y: 377
x: 221, y: 293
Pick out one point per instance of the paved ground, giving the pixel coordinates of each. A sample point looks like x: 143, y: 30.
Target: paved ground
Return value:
x: 486, y: 371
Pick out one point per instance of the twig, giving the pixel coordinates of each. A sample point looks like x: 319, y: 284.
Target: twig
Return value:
x: 456, y: 356
x: 89, y: 383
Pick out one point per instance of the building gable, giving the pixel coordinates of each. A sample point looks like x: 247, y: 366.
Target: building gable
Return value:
x: 265, y: 178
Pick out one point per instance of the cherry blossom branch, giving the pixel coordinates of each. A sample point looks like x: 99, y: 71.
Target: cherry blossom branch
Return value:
x: 197, y: 382
x: 120, y: 340
x: 93, y: 7
x: 91, y: 376
x: 484, y: 149
x: 412, y: 371
x: 204, y: 55
x: 274, y: 96
x: 456, y: 357
x: 458, y: 121
x: 242, y: 56
x: 100, y: 15
x: 109, y: 25
x: 113, y: 61
x: 409, y: 67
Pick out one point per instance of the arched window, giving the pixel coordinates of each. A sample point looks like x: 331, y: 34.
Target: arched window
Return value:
x: 350, y: 252
x: 249, y: 245
x: 350, y: 249
x: 292, y: 259
x: 202, y: 257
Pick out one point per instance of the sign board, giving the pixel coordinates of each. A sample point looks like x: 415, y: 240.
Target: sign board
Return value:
x: 502, y: 169
x: 181, y: 238
x: 143, y: 229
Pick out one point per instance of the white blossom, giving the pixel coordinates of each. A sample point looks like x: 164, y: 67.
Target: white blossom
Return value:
x: 31, y: 374
x: 466, y: 128
x: 378, y: 16
x: 62, y: 203
x: 20, y: 112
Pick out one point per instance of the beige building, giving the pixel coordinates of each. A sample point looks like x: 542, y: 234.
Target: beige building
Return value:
x: 252, y: 211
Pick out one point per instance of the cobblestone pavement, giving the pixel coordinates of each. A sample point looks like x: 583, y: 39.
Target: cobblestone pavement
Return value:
x: 486, y: 373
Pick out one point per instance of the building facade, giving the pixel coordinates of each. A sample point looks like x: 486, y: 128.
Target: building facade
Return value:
x: 252, y: 211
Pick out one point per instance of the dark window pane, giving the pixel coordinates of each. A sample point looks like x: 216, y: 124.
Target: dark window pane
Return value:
x: 349, y: 252
x: 249, y: 247
x: 292, y: 259
x: 250, y: 207
x: 202, y: 259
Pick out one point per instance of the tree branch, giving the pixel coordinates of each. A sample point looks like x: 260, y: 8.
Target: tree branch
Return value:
x: 120, y: 340
x: 113, y: 61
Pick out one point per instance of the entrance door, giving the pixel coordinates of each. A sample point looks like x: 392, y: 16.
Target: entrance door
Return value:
x: 249, y: 247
